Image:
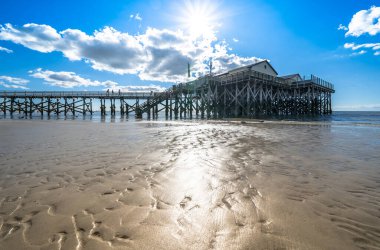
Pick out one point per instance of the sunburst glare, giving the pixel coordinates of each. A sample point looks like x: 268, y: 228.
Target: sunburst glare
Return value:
x: 199, y: 18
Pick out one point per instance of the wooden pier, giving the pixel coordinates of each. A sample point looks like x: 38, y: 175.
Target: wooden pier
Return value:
x: 69, y: 102
x: 244, y: 93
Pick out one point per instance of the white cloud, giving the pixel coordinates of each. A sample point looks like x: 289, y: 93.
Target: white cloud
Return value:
x: 12, y: 86
x: 6, y: 50
x: 66, y: 79
x: 342, y: 27
x: 353, y: 46
x: 235, y: 40
x: 374, y: 46
x: 365, y: 21
x: 13, y: 82
x: 359, y: 53
x: 158, y: 55
x: 42, y: 38
x: 136, y: 17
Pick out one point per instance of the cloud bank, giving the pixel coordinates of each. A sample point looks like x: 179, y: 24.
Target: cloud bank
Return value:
x: 365, y: 22
x: 362, y: 23
x: 66, y: 79
x: 157, y: 55
x: 13, y: 82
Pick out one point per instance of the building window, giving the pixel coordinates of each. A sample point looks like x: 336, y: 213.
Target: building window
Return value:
x: 265, y: 66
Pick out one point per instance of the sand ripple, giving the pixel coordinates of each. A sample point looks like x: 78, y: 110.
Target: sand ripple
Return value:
x: 82, y: 185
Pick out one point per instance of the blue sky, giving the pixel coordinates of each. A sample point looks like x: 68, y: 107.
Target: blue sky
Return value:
x: 51, y: 45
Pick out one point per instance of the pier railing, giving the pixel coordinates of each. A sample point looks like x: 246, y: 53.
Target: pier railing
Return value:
x: 321, y: 82
x: 73, y: 94
x: 243, y: 76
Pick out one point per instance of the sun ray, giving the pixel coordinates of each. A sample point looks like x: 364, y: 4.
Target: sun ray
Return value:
x: 199, y: 18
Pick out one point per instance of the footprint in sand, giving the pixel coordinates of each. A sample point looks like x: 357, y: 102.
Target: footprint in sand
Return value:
x: 185, y: 201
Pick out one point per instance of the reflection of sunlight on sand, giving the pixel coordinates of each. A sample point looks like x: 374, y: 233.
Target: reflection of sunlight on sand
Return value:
x: 190, y: 185
x: 216, y: 204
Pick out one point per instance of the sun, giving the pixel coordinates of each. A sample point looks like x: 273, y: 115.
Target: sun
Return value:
x: 199, y: 18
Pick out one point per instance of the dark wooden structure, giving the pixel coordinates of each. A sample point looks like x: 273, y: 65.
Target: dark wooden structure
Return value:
x: 69, y: 102
x: 245, y: 93
x: 242, y: 94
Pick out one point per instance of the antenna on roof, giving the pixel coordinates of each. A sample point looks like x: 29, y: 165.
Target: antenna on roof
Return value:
x: 188, y: 70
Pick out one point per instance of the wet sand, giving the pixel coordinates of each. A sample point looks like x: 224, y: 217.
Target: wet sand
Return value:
x: 188, y: 185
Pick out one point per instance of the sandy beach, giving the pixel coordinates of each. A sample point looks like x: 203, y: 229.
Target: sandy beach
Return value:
x: 188, y: 185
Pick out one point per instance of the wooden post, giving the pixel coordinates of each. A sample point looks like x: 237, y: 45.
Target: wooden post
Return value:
x: 103, y: 107
x: 91, y: 106
x: 25, y: 106
x: 30, y: 106
x: 171, y: 107
x: 148, y: 112
x: 84, y: 107
x: 114, y: 106
x: 57, y: 106
x: 176, y: 107
x: 166, y: 108
x: 180, y: 102
x: 112, y: 100
x: 12, y: 103
x: 197, y: 107
x: 330, y: 107
x: 185, y: 105
x: 121, y: 106
x: 191, y: 106
x: 19, y: 106
x: 4, y: 106
x: 65, y: 110
x: 138, y: 111
x: 42, y: 107
x: 202, y: 105
x: 73, y: 109
x: 49, y: 106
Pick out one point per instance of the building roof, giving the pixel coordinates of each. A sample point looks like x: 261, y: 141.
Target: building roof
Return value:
x: 254, y: 64
x: 263, y: 62
x: 291, y: 76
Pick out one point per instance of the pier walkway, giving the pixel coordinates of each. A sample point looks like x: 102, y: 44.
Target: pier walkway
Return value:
x: 69, y: 102
x: 246, y: 93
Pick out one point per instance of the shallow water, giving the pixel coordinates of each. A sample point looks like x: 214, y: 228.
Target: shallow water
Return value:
x: 349, y: 118
x: 188, y: 185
